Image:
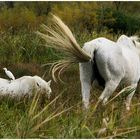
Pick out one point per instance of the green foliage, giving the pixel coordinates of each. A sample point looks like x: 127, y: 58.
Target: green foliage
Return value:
x: 24, y: 47
x: 126, y: 23
x: 77, y: 15
x: 83, y: 16
x: 63, y: 113
x: 16, y: 19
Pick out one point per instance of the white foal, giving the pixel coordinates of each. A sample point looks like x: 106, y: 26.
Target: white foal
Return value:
x: 24, y: 86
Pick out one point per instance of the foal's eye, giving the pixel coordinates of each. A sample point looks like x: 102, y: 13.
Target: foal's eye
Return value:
x: 37, y: 84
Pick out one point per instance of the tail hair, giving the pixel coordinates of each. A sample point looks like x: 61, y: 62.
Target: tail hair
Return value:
x: 59, y: 37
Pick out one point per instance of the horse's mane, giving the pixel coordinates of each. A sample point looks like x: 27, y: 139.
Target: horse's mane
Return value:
x: 135, y: 38
x: 132, y: 42
x: 136, y: 41
x: 59, y: 36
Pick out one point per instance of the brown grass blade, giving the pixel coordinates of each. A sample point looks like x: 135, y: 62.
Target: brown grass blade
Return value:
x: 48, y: 119
x: 46, y: 107
x: 123, y: 133
x: 127, y: 89
x: 34, y: 104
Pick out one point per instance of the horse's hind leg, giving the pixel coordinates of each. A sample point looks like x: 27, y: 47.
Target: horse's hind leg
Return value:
x: 110, y: 87
x: 86, y: 80
x: 129, y: 98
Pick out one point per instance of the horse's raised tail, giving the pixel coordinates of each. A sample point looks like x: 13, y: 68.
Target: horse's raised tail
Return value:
x: 59, y: 36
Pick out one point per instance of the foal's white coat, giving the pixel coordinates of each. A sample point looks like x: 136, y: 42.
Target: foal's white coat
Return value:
x: 24, y: 86
x: 116, y: 62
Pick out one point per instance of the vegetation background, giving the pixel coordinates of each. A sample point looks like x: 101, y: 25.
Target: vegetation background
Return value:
x: 22, y: 52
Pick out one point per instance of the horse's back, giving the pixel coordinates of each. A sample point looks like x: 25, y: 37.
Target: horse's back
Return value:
x: 98, y: 43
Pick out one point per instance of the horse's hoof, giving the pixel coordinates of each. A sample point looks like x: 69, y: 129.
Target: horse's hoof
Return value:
x: 105, y: 101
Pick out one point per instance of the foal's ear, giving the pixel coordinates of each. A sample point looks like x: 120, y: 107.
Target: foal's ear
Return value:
x: 49, y: 82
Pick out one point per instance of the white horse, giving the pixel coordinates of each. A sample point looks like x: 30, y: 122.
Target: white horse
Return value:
x: 112, y: 63
x: 101, y: 59
x: 24, y: 86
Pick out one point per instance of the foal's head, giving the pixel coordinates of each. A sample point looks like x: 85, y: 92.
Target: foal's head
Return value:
x: 43, y: 85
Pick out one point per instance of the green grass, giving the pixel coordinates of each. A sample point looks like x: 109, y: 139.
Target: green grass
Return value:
x: 63, y: 117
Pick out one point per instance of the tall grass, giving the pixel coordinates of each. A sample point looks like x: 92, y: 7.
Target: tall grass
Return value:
x: 64, y: 113
x: 62, y: 116
x: 24, y: 47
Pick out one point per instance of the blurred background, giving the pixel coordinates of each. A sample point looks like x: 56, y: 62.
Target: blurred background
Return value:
x: 87, y: 20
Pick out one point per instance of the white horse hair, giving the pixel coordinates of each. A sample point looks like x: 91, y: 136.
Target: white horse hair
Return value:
x: 113, y: 62
x: 24, y: 86
x: 101, y: 59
